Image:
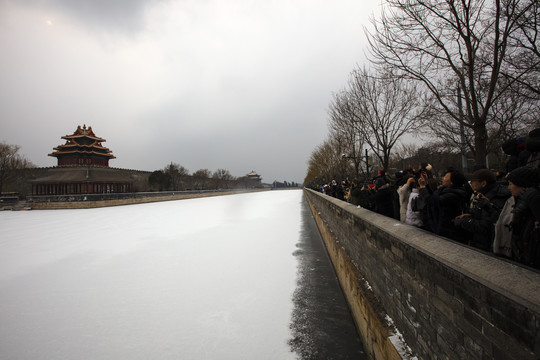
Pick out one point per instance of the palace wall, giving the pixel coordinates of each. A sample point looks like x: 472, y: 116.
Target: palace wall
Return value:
x: 23, y: 179
x: 446, y: 300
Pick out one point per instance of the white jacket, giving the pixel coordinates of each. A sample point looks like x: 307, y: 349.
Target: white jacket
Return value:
x: 413, y: 217
x: 404, y: 192
x: 502, y: 244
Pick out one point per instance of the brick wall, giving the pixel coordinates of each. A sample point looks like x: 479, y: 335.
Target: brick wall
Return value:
x: 446, y: 300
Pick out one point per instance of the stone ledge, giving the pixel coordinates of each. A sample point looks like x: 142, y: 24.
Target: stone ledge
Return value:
x: 445, y: 281
x: 131, y: 201
x: 493, y: 272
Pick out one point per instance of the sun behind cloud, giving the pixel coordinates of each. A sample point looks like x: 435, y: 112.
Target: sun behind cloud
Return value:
x: 49, y: 22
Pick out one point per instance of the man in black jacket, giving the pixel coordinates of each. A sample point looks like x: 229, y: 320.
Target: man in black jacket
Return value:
x: 485, y: 207
x: 441, y: 206
x: 381, y: 199
x: 523, y: 183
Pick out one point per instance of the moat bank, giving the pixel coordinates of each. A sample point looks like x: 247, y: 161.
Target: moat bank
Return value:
x: 88, y: 201
x: 445, y: 299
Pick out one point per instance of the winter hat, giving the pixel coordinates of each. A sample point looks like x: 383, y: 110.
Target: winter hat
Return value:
x: 457, y: 178
x: 514, y: 146
x: 379, y: 182
x: 483, y: 175
x: 535, y: 133
x: 533, y: 142
x: 525, y: 176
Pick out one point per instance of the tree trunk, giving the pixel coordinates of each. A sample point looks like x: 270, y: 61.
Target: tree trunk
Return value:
x: 480, y: 144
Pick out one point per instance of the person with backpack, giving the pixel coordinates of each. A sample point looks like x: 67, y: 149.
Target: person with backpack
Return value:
x: 523, y: 184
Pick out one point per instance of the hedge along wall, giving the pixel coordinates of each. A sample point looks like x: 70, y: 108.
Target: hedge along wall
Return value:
x: 447, y: 300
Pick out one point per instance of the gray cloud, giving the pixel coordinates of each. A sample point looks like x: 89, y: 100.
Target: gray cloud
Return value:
x: 235, y: 84
x: 126, y: 16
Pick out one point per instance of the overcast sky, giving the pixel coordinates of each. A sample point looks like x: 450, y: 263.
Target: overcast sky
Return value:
x: 233, y: 84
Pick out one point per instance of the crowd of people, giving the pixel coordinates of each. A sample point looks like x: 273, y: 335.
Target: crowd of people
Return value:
x: 497, y: 212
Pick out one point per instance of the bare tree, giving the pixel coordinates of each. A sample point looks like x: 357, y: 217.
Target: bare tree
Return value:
x: 448, y: 47
x: 523, y: 58
x: 176, y: 173
x: 402, y: 158
x: 513, y: 115
x: 385, y: 108
x: 201, y: 178
x: 10, y: 162
x: 343, y: 124
x: 326, y: 163
x: 223, y: 178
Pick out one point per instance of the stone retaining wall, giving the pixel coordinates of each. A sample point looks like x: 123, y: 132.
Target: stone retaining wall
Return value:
x: 446, y: 300
x: 103, y: 200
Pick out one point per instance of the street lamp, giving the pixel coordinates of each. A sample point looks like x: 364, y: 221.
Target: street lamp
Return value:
x: 343, y: 156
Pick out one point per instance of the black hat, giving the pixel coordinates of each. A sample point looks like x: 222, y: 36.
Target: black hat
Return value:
x: 457, y: 178
x: 483, y: 175
x: 379, y: 182
x: 535, y: 133
x: 525, y: 176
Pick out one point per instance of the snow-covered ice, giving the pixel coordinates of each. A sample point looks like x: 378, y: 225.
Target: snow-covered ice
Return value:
x: 209, y: 278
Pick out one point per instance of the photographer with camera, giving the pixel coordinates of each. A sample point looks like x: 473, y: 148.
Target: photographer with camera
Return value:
x: 440, y: 206
x: 484, y: 210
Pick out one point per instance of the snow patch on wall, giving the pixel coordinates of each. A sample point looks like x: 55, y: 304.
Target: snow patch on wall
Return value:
x: 399, y: 342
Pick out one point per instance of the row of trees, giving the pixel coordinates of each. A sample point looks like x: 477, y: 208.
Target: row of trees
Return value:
x: 465, y: 73
x: 175, y: 177
x: 11, y: 161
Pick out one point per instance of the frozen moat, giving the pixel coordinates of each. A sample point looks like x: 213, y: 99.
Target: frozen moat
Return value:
x: 232, y: 277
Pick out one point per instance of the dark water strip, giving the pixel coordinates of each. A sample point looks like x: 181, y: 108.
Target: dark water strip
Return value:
x: 322, y: 325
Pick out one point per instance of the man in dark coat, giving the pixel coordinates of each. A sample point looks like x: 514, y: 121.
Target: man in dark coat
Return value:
x: 523, y: 183
x: 381, y: 199
x: 356, y: 197
x: 485, y: 208
x: 445, y: 204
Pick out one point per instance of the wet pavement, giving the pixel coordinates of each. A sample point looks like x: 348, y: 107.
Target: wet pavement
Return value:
x: 322, y: 325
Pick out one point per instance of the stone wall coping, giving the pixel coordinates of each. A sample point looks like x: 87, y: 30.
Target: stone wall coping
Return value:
x: 518, y: 283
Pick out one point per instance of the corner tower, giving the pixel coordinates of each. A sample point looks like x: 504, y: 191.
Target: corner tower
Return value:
x: 82, y: 148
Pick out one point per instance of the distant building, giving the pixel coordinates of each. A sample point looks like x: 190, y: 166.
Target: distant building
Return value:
x: 254, y: 176
x: 83, y: 168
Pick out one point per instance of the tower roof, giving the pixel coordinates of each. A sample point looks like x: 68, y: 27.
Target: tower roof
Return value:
x: 83, y: 147
x: 254, y: 176
x: 83, y: 132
